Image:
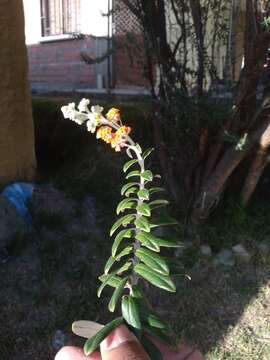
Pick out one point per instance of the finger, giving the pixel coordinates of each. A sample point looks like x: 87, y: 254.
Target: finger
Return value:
x: 121, y: 344
x: 184, y: 352
x: 73, y: 353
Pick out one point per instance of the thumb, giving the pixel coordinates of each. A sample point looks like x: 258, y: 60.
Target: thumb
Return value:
x: 121, y: 344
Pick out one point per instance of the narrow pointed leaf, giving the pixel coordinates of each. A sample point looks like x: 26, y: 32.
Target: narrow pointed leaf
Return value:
x: 113, y: 281
x: 123, y: 268
x: 155, y: 190
x: 109, y: 264
x: 127, y: 250
x: 131, y: 190
x: 159, y: 280
x: 126, y: 233
x: 129, y: 164
x: 160, y: 241
x: 130, y: 311
x: 117, y: 294
x: 144, y: 209
x: 124, y: 221
x: 133, y: 173
x: 142, y: 223
x: 163, y: 221
x: 155, y: 321
x: 147, y: 175
x: 147, y: 152
x: 126, y: 204
x: 127, y: 186
x: 158, y: 203
x: 104, y: 283
x: 141, y: 236
x: 138, y: 148
x: 143, y: 194
x: 92, y: 344
x: 153, y: 260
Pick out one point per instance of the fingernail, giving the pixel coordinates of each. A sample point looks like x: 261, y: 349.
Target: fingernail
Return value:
x: 116, y: 338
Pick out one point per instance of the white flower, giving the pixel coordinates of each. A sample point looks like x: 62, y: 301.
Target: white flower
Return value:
x: 68, y: 111
x: 97, y: 109
x: 83, y: 105
x: 91, y: 125
x: 79, y: 118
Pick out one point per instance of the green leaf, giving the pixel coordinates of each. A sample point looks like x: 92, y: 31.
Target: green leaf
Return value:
x: 159, y: 280
x: 126, y: 233
x: 104, y: 283
x: 147, y: 175
x: 155, y: 321
x: 124, y: 221
x: 147, y: 152
x: 126, y: 204
x: 133, y: 173
x: 162, y: 334
x: 123, y: 268
x: 142, y: 223
x: 137, y: 292
x: 138, y: 148
x: 153, y: 260
x: 164, y: 221
x: 141, y: 236
x: 151, y: 348
x: 160, y: 241
x: 109, y: 264
x: 113, y: 281
x: 130, y: 311
x: 131, y: 190
x: 143, y: 194
x: 158, y: 203
x: 144, y: 209
x: 127, y: 250
x: 128, y: 164
x: 92, y: 344
x: 116, y: 294
x: 127, y: 186
x: 155, y: 190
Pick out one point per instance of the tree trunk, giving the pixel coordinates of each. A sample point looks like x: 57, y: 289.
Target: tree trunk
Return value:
x: 256, y: 169
x: 17, y: 157
x: 196, y: 12
x: 215, y: 185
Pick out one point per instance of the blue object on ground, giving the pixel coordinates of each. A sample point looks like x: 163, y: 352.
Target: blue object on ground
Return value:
x: 19, y: 195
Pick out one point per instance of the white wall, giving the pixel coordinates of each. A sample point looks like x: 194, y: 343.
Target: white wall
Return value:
x: 32, y: 21
x: 92, y: 22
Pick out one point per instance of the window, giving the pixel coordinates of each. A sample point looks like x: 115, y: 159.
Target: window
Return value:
x: 60, y: 17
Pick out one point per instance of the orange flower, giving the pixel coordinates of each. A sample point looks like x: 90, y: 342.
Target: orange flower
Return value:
x: 113, y: 115
x: 119, y: 138
x: 123, y: 130
x: 105, y: 133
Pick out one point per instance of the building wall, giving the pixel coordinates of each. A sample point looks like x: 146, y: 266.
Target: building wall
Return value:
x: 58, y: 65
x: 55, y: 63
x: 129, y: 61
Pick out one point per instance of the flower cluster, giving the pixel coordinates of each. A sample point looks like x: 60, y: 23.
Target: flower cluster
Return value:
x: 94, y: 119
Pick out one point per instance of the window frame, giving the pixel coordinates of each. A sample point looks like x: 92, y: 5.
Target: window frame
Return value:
x: 64, y: 18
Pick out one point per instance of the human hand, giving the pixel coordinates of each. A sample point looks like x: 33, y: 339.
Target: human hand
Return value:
x: 121, y: 344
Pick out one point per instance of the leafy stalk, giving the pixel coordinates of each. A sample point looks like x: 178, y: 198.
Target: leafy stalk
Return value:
x: 136, y: 249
